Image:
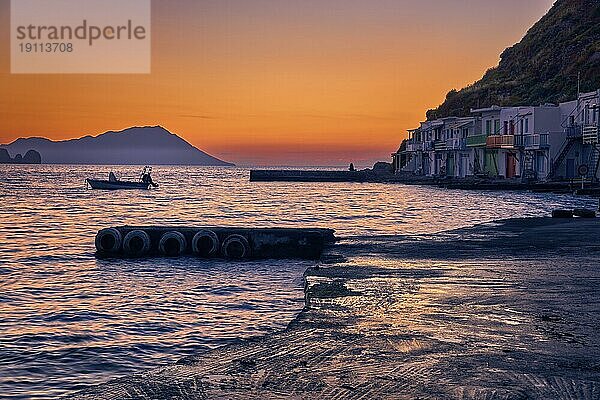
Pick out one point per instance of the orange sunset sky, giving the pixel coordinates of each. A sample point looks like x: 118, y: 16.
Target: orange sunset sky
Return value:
x: 277, y: 82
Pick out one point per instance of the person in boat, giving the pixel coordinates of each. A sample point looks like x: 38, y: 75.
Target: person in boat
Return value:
x: 112, y: 177
x: 147, y: 178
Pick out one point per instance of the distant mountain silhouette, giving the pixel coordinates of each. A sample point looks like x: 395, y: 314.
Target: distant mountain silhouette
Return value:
x: 134, y: 146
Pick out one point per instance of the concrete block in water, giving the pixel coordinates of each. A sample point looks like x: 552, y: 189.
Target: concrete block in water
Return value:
x: 584, y: 213
x: 578, y: 212
x: 213, y: 242
x: 562, y: 214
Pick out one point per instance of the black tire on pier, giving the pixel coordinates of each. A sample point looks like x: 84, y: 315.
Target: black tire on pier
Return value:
x: 172, y: 244
x: 109, y: 241
x: 236, y: 247
x: 205, y: 243
x: 136, y: 244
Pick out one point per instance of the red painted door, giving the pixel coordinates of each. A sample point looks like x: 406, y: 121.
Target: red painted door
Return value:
x: 511, y: 166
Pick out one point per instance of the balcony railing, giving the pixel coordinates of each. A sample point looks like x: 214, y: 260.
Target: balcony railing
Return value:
x: 456, y: 144
x: 412, y: 147
x: 428, y: 145
x: 519, y: 141
x: 477, y: 141
x: 501, y: 141
x: 440, y: 145
x: 535, y: 141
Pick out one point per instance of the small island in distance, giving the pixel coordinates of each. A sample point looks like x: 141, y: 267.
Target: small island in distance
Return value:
x: 133, y: 146
x: 31, y: 157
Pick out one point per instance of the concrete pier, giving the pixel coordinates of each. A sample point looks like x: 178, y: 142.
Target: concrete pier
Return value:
x: 306, y: 176
x: 373, y: 176
x: 212, y: 242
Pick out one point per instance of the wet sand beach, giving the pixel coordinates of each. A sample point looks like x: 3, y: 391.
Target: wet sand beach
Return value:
x: 505, y: 310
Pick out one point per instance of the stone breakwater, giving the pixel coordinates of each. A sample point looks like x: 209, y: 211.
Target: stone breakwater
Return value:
x: 503, y: 310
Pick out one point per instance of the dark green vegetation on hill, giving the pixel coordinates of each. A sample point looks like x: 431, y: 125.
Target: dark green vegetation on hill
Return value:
x: 542, y: 67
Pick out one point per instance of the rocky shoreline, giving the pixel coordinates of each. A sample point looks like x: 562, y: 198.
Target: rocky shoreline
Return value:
x: 504, y: 310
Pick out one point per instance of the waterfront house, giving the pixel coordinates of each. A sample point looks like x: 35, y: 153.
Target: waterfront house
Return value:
x: 419, y: 152
x: 409, y: 158
x: 538, y: 136
x: 506, y: 142
x: 527, y: 142
x: 459, y: 162
x: 432, y: 160
x: 427, y: 147
x: 439, y: 148
x: 442, y: 156
x: 486, y: 146
x: 476, y: 145
x: 580, y: 151
x: 519, y: 140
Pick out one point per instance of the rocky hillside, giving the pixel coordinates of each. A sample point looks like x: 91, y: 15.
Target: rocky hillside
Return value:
x: 543, y: 67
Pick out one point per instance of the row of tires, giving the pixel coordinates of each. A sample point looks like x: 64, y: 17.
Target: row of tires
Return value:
x: 205, y: 243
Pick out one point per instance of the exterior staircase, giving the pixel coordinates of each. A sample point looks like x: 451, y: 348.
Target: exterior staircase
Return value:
x: 593, y: 163
x: 566, y: 148
x: 529, y: 166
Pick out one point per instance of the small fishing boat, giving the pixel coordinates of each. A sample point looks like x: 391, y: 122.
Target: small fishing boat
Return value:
x: 145, y: 182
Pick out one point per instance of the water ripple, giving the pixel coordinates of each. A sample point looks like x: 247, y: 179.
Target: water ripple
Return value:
x: 69, y: 320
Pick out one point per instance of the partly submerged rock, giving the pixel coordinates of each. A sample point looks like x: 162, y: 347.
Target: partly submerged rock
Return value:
x: 32, y: 157
x: 4, y: 156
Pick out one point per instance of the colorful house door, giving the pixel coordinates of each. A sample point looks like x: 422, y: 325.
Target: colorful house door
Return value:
x: 450, y: 165
x: 438, y: 170
x: 511, y: 165
x: 463, y: 165
x: 425, y: 164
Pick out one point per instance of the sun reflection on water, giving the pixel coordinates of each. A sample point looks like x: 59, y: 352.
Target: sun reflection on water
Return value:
x: 69, y: 320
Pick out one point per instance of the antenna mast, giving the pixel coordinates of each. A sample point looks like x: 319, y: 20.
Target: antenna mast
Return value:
x: 578, y: 90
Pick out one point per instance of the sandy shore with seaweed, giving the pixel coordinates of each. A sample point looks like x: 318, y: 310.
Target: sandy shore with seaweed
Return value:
x: 504, y: 310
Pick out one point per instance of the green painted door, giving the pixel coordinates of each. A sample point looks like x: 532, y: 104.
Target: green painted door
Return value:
x: 491, y: 163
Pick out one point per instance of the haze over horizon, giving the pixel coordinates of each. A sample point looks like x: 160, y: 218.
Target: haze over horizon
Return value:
x: 265, y: 82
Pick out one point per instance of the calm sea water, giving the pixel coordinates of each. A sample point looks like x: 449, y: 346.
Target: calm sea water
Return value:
x: 69, y: 320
